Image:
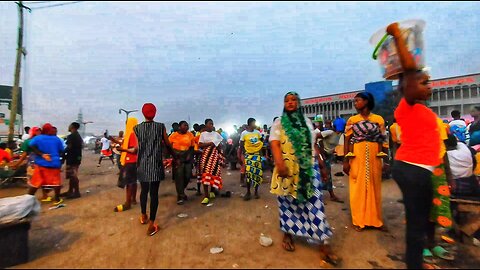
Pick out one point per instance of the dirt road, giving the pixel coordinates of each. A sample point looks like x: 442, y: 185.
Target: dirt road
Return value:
x: 88, y: 234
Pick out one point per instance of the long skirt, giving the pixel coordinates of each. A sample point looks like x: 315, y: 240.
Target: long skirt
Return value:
x: 306, y: 219
x: 253, y: 169
x: 210, y: 167
x: 440, y: 212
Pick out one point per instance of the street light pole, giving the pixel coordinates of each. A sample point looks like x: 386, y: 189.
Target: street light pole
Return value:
x: 127, y: 113
x: 85, y: 127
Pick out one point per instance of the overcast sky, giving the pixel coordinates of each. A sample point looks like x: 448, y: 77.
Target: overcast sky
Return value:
x: 225, y: 61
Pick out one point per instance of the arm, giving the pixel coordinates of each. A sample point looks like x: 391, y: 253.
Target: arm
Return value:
x: 410, y: 91
x: 278, y: 159
x: 113, y: 140
x: 448, y: 171
x: 168, y: 144
x: 43, y: 155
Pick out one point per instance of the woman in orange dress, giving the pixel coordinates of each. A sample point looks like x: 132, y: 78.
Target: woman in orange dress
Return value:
x: 364, y: 140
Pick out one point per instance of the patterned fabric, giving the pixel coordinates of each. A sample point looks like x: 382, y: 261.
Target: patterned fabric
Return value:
x: 286, y: 186
x: 328, y: 163
x: 210, y: 167
x: 253, y: 169
x: 299, y: 134
x: 149, y: 156
x: 306, y: 219
x: 367, y: 131
x: 440, y: 212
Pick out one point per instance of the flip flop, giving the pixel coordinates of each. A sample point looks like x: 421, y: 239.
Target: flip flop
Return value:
x: 428, y: 256
x: 59, y: 202
x: 120, y: 208
x: 430, y: 266
x: 205, y: 201
x: 288, y: 246
x: 332, y: 259
x: 442, y: 253
x: 155, y: 230
x: 358, y: 228
x: 48, y: 199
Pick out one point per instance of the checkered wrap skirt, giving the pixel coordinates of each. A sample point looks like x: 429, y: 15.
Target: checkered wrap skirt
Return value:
x: 306, y: 219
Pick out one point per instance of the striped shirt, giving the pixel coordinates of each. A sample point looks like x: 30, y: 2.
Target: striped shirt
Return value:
x: 149, y: 159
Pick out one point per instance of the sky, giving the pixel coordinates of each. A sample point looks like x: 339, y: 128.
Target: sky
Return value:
x: 222, y: 60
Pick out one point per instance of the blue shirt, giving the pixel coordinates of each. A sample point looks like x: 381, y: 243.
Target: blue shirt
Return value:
x: 340, y: 124
x: 51, y: 145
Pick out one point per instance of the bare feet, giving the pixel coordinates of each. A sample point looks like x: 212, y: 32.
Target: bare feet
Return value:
x: 288, y: 243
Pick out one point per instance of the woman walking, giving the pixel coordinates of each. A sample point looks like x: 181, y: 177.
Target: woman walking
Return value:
x: 419, y: 152
x: 210, y: 163
x: 364, y: 138
x: 151, y: 138
x: 128, y: 165
x: 183, y: 143
x: 296, y: 179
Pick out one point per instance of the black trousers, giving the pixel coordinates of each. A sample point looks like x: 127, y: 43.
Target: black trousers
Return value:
x: 416, y: 185
x: 152, y: 188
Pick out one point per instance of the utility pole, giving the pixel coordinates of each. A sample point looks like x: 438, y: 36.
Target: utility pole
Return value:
x: 16, y: 82
x: 127, y: 113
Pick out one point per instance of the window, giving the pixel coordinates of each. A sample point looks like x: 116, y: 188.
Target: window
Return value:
x: 443, y: 95
x: 449, y: 93
x: 435, y: 95
x: 465, y: 92
x: 2, y: 115
x: 473, y: 91
x: 458, y: 92
x: 443, y: 111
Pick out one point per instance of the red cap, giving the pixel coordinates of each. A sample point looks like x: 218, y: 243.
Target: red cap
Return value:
x: 47, y: 129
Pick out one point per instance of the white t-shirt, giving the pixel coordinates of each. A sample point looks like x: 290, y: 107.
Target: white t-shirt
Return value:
x: 211, y: 136
x: 330, y: 140
x: 461, y: 163
x: 276, y: 130
x: 458, y: 123
x: 25, y: 137
x: 105, y: 143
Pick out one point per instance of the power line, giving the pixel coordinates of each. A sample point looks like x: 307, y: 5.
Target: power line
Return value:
x: 39, y: 2
x: 57, y: 5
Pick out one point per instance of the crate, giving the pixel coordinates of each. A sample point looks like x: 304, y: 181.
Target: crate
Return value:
x: 14, y: 243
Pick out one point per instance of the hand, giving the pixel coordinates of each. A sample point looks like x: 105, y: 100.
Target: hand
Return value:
x: 47, y: 157
x: 385, y: 168
x: 393, y: 29
x: 282, y: 171
x: 346, y: 167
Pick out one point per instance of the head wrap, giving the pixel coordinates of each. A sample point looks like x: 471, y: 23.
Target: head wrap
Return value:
x: 318, y: 118
x: 300, y: 136
x: 47, y: 129
x: 131, y: 123
x: 149, y: 110
x: 33, y: 132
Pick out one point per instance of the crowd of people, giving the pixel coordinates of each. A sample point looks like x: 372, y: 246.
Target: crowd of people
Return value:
x: 430, y: 162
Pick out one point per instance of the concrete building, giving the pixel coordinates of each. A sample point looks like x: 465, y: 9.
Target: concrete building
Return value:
x: 448, y: 94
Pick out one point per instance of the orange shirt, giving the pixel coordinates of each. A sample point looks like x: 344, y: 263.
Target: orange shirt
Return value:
x: 420, y: 134
x: 182, y: 142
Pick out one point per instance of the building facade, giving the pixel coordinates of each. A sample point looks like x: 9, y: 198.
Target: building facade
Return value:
x: 448, y: 94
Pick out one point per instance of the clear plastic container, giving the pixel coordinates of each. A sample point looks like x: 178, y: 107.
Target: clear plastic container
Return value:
x: 386, y: 51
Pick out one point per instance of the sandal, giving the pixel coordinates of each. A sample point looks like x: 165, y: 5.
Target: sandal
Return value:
x: 121, y: 208
x: 143, y: 221
x: 332, y: 259
x: 430, y: 266
x: 428, y: 256
x: 358, y: 228
x: 205, y: 201
x: 58, y: 202
x: 442, y: 253
x: 156, y: 228
x: 48, y: 199
x: 288, y: 245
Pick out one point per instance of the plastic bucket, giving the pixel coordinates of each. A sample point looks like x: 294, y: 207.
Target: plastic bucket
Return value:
x: 386, y: 51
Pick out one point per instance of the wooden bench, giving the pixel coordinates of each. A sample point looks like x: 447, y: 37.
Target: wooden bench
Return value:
x: 466, y: 213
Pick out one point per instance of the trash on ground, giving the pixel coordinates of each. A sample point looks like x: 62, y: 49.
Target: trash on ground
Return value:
x: 182, y: 215
x: 87, y: 191
x: 235, y: 265
x: 216, y: 250
x: 57, y: 206
x: 210, y: 204
x: 265, y: 240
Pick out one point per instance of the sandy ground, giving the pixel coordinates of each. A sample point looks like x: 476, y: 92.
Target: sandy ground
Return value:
x: 88, y: 234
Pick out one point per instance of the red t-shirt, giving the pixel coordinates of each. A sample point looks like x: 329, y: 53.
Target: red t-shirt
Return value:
x: 420, y: 134
x: 132, y: 142
x: 4, y: 155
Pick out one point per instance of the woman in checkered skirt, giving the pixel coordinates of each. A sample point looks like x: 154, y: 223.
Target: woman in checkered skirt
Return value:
x: 296, y: 179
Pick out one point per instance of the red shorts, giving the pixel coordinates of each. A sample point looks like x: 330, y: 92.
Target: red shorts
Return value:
x: 45, y: 177
x: 106, y: 153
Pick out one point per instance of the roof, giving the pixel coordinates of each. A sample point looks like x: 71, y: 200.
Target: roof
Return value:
x: 6, y: 93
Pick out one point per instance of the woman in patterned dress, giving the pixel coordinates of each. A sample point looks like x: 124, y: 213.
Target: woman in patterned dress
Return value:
x: 296, y: 179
